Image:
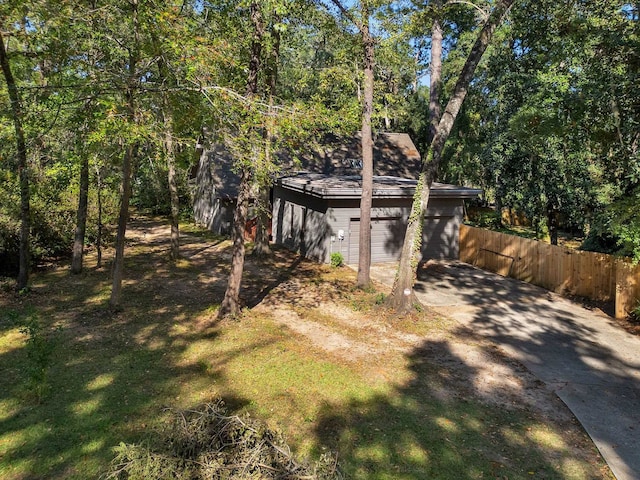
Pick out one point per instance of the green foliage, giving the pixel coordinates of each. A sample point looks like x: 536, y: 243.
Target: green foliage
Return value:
x: 40, y: 346
x: 484, y: 218
x: 549, y: 127
x: 207, y: 443
x: 636, y: 312
x: 380, y: 298
x: 617, y: 229
x: 337, y: 259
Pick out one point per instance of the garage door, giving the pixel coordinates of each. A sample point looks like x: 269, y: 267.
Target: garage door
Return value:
x: 439, y: 239
x: 387, y: 236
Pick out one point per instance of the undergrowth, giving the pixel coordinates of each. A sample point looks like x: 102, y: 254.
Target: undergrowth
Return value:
x: 206, y: 443
x: 40, y: 345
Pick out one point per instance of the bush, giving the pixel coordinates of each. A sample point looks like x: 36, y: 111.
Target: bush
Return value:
x: 635, y: 313
x: 9, y: 245
x: 40, y: 345
x: 337, y: 259
x: 207, y: 443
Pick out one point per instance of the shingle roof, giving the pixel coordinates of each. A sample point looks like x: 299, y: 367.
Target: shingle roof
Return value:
x: 394, y: 155
x: 350, y: 186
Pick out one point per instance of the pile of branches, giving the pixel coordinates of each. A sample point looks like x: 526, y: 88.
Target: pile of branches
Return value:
x: 208, y: 444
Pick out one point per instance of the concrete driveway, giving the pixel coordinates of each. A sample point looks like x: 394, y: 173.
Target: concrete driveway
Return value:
x: 591, y: 363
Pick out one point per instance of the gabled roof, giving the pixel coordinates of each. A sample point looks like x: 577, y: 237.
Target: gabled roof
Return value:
x: 344, y: 187
x: 394, y: 155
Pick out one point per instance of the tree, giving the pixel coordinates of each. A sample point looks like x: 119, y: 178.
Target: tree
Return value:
x: 230, y: 305
x: 402, y: 296
x: 549, y: 129
x: 21, y: 165
x: 366, y: 200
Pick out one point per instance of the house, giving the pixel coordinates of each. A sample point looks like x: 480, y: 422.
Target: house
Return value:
x: 316, y: 203
x: 318, y: 214
x: 215, y: 183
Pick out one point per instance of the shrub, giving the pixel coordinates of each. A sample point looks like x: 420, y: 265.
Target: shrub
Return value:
x: 337, y: 259
x: 40, y: 345
x: 206, y: 443
x: 635, y: 313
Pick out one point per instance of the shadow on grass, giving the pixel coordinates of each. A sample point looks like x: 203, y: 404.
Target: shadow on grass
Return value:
x: 435, y: 427
x: 113, y: 374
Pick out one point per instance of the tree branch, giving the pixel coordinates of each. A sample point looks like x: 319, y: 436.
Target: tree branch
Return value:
x: 348, y: 14
x: 483, y: 14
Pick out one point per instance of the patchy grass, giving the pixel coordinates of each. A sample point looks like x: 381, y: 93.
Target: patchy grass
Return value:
x: 315, y: 358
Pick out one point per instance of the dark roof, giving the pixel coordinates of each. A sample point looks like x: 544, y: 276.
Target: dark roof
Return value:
x: 343, y: 187
x: 394, y: 154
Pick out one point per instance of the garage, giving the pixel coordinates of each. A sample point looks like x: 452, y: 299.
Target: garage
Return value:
x: 317, y: 214
x: 387, y: 235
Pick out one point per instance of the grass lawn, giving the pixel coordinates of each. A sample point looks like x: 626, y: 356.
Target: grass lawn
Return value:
x: 311, y: 356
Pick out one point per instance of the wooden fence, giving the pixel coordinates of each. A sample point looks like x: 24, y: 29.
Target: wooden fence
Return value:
x: 559, y: 269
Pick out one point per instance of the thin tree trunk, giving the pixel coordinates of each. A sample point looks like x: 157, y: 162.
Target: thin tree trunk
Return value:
x: 99, y: 235
x: 552, y: 223
x: 435, y: 111
x: 131, y: 152
x: 166, y: 115
x: 230, y: 305
x: 123, y: 218
x: 171, y: 177
x: 22, y: 166
x: 261, y: 248
x: 402, y: 296
x: 81, y: 223
x: 364, y: 253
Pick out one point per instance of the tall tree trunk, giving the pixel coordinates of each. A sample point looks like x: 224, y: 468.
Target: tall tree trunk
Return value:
x: 552, y: 222
x: 435, y: 111
x: 170, y: 154
x: 22, y: 166
x: 230, y: 305
x: 123, y: 218
x: 81, y: 222
x: 364, y: 253
x: 402, y: 296
x: 261, y: 248
x: 99, y: 235
x: 131, y: 153
x: 166, y: 115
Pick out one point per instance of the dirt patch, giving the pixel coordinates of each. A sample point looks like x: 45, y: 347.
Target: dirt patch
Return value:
x: 318, y: 306
x: 288, y: 289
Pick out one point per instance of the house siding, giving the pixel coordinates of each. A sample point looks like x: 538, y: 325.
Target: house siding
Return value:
x: 311, y: 226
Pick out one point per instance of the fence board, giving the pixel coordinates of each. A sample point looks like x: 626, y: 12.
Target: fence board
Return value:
x: 586, y: 274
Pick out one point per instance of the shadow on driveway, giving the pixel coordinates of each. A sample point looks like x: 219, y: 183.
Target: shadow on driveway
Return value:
x: 590, y: 362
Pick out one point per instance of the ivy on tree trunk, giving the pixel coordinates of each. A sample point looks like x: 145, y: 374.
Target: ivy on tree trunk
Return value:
x: 402, y: 296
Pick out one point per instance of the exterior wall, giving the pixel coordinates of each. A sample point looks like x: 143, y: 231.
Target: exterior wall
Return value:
x: 209, y: 209
x: 440, y: 235
x: 300, y: 223
x: 311, y: 226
